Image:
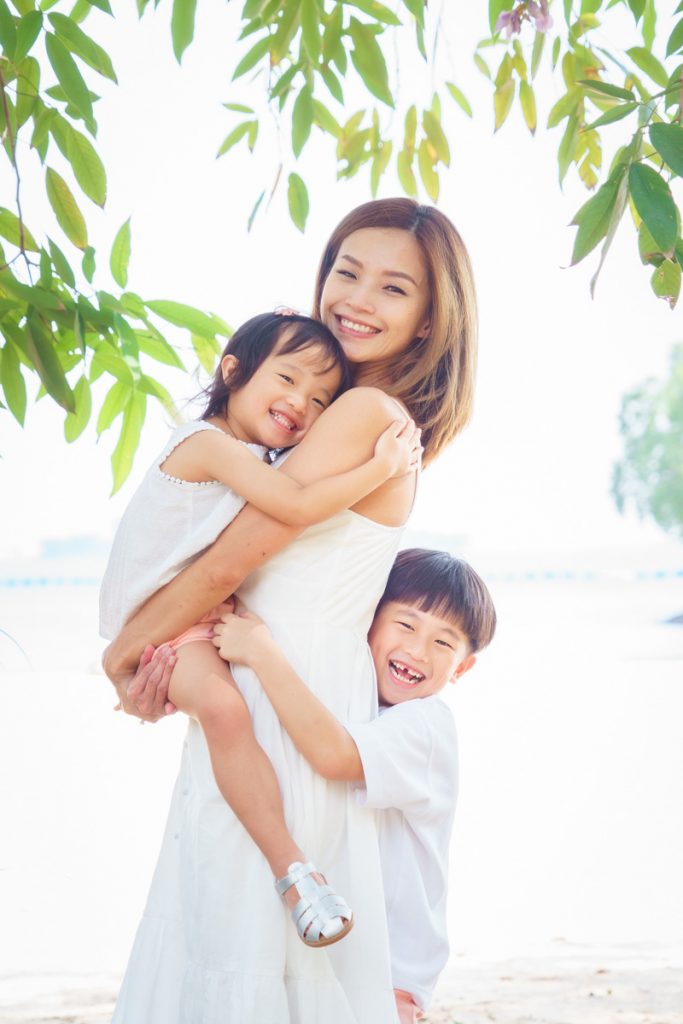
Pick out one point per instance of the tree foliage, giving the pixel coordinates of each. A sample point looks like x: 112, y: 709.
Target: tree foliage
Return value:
x: 301, y: 64
x: 649, y: 477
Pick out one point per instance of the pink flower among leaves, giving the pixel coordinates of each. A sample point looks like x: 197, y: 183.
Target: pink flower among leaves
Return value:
x: 511, y: 21
x: 539, y: 14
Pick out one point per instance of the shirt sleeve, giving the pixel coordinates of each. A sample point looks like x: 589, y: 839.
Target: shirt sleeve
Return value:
x: 409, y: 757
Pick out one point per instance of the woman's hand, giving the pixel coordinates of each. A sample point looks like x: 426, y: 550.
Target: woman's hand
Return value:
x: 145, y: 694
x: 399, y: 447
x: 241, y: 637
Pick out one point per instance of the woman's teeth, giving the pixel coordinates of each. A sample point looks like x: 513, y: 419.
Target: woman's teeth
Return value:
x: 351, y: 325
x: 404, y: 674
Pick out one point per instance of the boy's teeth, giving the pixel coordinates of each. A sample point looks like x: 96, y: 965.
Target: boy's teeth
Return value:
x: 353, y: 326
x: 406, y: 674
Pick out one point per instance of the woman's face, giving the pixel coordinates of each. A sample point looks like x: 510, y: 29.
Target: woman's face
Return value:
x: 376, y: 297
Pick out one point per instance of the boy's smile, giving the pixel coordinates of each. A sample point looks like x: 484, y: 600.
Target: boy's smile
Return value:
x: 415, y: 652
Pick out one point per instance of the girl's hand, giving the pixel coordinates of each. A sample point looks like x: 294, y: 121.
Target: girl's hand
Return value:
x: 145, y: 694
x: 241, y: 637
x: 399, y: 447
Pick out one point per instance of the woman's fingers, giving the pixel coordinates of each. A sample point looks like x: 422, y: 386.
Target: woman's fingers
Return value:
x: 148, y: 690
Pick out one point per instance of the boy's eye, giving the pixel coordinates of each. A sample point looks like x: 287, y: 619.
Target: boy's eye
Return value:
x: 405, y: 625
x: 287, y: 379
x: 444, y: 643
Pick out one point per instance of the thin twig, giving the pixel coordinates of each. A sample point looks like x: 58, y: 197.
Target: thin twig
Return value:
x: 13, y: 158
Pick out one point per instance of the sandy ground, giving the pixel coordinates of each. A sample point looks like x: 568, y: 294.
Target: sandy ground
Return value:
x: 572, y: 989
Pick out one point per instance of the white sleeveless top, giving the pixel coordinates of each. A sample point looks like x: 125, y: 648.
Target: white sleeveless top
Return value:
x: 167, y: 524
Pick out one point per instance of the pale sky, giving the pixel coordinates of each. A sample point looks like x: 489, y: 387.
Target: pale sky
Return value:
x: 533, y: 469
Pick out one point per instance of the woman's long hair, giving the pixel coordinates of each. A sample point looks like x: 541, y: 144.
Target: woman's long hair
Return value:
x: 434, y: 375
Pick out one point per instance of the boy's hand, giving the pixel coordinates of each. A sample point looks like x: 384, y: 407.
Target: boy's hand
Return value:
x: 241, y: 637
x: 399, y: 447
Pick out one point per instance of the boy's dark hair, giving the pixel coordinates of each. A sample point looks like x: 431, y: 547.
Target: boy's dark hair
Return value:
x: 254, y: 341
x: 435, y: 581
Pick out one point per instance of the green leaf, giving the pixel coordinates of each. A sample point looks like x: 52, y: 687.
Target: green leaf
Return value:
x: 528, y: 104
x: 459, y: 98
x: 410, y: 129
x: 234, y: 137
x: 28, y: 82
x: 666, y: 281
x: 61, y: 264
x: 482, y: 65
x: 436, y: 137
x: 564, y: 107
x: 648, y: 250
x: 310, y: 29
x: 87, y: 167
x: 368, y: 60
x: 648, y: 63
x: 69, y: 217
x: 613, y: 223
x: 332, y: 83
x: 113, y: 406
x: 637, y: 7
x: 325, y: 120
x: 129, y: 438
x: 150, y: 386
x: 76, y: 422
x: 82, y: 45
x: 594, y: 217
x: 376, y: 10
x: 68, y: 76
x: 207, y: 351
x: 430, y: 178
x: 40, y: 346
x: 185, y: 316
x: 286, y: 30
x: 653, y: 200
x: 8, y: 32
x: 108, y: 359
x: 182, y: 25
x: 675, y: 39
x: 10, y: 228
x: 13, y: 384
x: 668, y: 141
x: 567, y: 147
x: 120, y: 255
x: 537, y: 52
x: 239, y: 108
x: 28, y: 31
x: 607, y: 89
x: 649, y: 22
x: 156, y: 346
x: 502, y: 102
x: 302, y: 119
x: 88, y: 263
x: 613, y: 114
x: 254, y: 210
x: 406, y: 175
x: 297, y: 199
x: 252, y: 58
x: 496, y: 8
x: 102, y: 5
x: 380, y: 163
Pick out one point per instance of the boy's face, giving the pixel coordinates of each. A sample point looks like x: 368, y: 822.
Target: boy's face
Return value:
x: 415, y: 652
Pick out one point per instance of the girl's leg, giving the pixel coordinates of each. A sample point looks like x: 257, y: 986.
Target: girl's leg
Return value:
x: 202, y: 686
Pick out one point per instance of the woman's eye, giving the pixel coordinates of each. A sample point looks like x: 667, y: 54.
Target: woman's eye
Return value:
x: 395, y: 289
x: 347, y: 273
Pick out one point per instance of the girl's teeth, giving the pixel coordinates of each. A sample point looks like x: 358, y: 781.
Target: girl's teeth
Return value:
x: 353, y: 326
x: 283, y: 421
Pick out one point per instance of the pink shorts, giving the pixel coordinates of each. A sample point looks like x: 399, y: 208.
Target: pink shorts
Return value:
x: 202, y: 630
x: 408, y: 1010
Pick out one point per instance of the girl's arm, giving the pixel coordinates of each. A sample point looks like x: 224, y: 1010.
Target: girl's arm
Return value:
x: 315, y: 732
x: 221, y: 457
x: 342, y: 438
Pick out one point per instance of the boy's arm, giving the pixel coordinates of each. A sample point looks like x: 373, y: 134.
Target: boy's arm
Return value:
x: 224, y: 458
x: 245, y: 640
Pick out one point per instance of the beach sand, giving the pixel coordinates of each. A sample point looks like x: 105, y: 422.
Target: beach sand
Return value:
x: 573, y: 988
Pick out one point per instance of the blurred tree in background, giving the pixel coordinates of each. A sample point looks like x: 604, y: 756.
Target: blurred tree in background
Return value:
x: 299, y: 66
x: 649, y: 478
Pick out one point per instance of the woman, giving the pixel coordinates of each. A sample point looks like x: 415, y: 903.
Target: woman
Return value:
x: 395, y: 287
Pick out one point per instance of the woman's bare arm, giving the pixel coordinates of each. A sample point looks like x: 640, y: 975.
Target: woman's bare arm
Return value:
x: 342, y: 438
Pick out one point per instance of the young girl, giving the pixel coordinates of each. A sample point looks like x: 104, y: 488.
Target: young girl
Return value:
x: 278, y: 373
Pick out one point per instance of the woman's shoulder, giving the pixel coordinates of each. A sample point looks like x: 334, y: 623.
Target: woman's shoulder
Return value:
x: 368, y: 401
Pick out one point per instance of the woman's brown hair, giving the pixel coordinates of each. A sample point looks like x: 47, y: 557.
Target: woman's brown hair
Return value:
x: 434, y: 376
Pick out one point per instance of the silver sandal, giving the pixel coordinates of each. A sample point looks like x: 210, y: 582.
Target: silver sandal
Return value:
x: 320, y: 915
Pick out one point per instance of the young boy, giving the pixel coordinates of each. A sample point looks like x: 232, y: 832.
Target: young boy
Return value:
x: 434, y: 615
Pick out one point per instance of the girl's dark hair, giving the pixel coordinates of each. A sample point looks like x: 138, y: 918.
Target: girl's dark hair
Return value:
x: 255, y: 340
x: 435, y: 581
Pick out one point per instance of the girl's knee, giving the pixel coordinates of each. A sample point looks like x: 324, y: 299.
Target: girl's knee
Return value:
x: 223, y: 711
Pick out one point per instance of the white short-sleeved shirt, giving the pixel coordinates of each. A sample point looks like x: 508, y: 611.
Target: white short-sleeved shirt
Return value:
x: 167, y: 524
x: 410, y: 761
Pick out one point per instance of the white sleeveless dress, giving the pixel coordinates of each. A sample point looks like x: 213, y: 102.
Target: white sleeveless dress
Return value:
x: 216, y: 945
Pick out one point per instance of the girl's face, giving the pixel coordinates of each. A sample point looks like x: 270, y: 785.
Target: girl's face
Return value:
x: 280, y: 403
x: 376, y: 297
